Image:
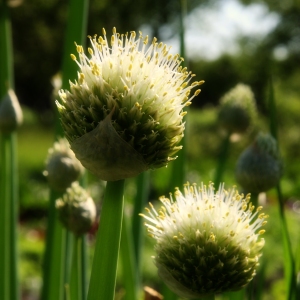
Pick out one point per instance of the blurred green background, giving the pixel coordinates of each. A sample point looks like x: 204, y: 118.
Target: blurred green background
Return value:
x: 223, y: 58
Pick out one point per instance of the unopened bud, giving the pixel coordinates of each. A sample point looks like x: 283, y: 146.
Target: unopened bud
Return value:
x: 62, y: 167
x: 237, y: 109
x: 259, y: 167
x: 76, y: 209
x: 11, y: 115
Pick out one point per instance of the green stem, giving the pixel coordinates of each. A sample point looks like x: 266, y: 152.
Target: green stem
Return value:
x: 9, y: 174
x: 53, y: 270
x: 222, y: 161
x: 6, y: 53
x: 179, y: 167
x: 14, y: 280
x: 289, y: 263
x: 69, y: 245
x: 5, y: 220
x: 142, y: 183
x: 104, y: 268
x: 76, y: 271
x: 130, y: 272
x: 84, y: 266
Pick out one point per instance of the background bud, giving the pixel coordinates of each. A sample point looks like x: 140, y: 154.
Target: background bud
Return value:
x: 237, y: 109
x: 62, y: 167
x: 11, y: 115
x: 259, y: 167
x: 76, y: 209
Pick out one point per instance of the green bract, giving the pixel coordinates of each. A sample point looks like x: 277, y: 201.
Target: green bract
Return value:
x: 207, y: 242
x: 124, y: 114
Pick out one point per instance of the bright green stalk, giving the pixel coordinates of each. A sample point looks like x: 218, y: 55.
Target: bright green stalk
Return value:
x: 130, y: 272
x: 289, y: 263
x: 104, y: 269
x: 9, y: 175
x: 58, y: 244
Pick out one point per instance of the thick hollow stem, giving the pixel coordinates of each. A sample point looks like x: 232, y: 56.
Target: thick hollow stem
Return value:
x: 104, y: 268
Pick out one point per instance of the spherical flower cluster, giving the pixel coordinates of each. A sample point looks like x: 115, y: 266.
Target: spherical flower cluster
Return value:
x: 62, y: 167
x: 237, y: 109
x: 206, y: 242
x: 260, y: 166
x: 124, y: 114
x: 76, y: 209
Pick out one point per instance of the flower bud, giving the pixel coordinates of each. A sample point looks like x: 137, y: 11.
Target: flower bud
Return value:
x: 237, y: 109
x: 259, y: 167
x: 124, y: 114
x: 62, y: 167
x: 76, y: 209
x: 11, y: 115
x: 207, y: 242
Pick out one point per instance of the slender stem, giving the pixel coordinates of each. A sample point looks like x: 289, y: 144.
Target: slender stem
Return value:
x: 53, y: 271
x: 130, y: 272
x: 142, y: 182
x: 222, y: 160
x: 14, y: 280
x: 84, y: 266
x: 76, y: 272
x: 289, y: 262
x: 104, y: 268
x: 69, y: 245
x: 9, y: 289
x: 5, y: 220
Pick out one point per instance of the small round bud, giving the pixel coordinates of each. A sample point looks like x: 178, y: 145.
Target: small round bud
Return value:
x: 207, y: 241
x: 124, y: 114
x: 76, y: 209
x: 11, y: 115
x: 259, y: 167
x: 62, y: 167
x: 237, y: 109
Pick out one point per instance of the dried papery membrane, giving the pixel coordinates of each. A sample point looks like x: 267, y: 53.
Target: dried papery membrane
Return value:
x: 105, y: 154
x: 11, y: 115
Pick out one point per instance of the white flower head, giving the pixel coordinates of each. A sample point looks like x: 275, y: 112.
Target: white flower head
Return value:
x: 129, y: 97
x: 206, y: 241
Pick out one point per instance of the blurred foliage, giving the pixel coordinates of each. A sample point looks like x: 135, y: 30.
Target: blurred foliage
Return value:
x: 38, y: 33
x: 38, y: 28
